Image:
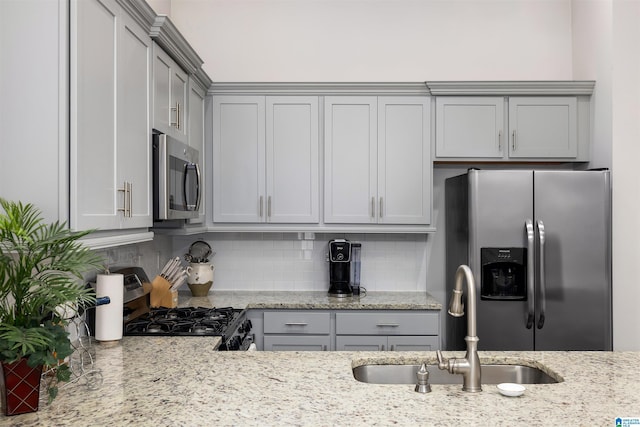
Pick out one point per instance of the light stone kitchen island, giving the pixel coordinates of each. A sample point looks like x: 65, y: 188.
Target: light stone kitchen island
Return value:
x: 182, y: 381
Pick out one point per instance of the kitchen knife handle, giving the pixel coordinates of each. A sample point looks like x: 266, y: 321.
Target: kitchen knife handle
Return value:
x: 543, y: 285
x: 530, y: 272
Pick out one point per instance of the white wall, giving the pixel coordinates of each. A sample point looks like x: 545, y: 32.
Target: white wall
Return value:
x: 378, y: 40
x: 605, y: 49
x: 626, y: 190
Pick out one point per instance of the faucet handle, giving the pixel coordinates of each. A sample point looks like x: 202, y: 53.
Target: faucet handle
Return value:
x: 442, y: 363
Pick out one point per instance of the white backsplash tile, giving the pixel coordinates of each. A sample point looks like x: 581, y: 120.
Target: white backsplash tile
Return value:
x: 282, y: 261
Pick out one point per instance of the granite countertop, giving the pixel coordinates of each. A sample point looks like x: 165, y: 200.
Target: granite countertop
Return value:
x: 312, y: 300
x: 181, y: 381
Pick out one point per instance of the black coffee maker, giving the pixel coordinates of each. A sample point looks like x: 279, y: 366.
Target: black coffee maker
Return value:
x: 341, y: 268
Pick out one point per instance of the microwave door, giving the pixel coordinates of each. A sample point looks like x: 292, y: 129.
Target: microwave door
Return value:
x: 191, y: 186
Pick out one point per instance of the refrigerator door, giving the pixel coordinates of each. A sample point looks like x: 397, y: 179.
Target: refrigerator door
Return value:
x: 573, y: 310
x: 500, y: 203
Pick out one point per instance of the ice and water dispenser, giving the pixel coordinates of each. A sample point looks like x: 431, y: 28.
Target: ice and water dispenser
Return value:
x: 504, y: 273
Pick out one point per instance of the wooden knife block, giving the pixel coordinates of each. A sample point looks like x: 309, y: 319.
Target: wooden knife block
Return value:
x: 161, y: 295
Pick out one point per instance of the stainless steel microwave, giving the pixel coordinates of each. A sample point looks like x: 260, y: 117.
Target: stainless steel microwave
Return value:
x: 176, y: 179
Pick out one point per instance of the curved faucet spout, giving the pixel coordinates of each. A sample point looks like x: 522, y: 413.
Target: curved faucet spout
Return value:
x: 469, y: 367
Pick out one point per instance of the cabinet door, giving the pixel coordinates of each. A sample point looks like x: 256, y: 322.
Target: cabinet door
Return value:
x: 543, y: 127
x: 361, y: 343
x: 470, y: 127
x: 93, y: 175
x: 238, y: 159
x: 297, y: 342
x: 292, y: 159
x: 404, y: 160
x: 170, y: 85
x: 196, y: 138
x: 351, y: 159
x: 414, y: 343
x: 178, y: 105
x: 133, y: 124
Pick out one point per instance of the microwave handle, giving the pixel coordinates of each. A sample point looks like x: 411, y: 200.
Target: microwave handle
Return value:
x: 196, y: 205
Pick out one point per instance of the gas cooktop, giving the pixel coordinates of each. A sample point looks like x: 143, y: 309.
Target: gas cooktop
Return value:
x: 187, y: 321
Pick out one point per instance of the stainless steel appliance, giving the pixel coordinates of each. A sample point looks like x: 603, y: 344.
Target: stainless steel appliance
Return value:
x: 176, y: 179
x: 342, y: 269
x: 539, y: 245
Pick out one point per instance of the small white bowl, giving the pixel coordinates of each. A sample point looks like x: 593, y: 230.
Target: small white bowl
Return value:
x: 510, y: 389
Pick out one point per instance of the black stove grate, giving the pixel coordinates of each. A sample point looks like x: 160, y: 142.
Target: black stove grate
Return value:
x: 187, y: 321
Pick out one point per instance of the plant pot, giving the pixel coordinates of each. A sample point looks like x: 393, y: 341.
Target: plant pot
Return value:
x: 20, y: 387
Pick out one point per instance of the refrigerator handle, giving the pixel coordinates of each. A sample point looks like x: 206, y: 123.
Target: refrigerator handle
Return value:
x: 543, y: 296
x: 530, y: 272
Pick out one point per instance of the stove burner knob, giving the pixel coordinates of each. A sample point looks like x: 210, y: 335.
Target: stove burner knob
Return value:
x: 234, y: 344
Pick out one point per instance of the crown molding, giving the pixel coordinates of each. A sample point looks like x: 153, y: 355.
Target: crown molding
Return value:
x: 140, y: 11
x: 508, y: 88
x: 167, y: 35
x: 299, y: 88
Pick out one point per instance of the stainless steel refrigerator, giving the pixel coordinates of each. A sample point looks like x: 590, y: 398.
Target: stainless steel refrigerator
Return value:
x: 539, y: 245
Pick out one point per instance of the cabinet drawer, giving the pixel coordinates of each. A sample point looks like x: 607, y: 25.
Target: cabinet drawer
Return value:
x: 388, y: 323
x: 297, y: 322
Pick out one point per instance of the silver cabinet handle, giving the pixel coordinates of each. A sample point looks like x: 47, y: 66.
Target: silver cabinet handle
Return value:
x: 296, y: 324
x: 127, y: 199
x: 499, y: 140
x: 513, y: 140
x: 269, y: 206
x: 543, y: 288
x: 530, y: 272
x: 260, y: 203
x: 393, y: 347
x: 373, y: 207
x: 177, y: 110
x: 388, y: 325
x: 130, y: 200
x: 380, y: 210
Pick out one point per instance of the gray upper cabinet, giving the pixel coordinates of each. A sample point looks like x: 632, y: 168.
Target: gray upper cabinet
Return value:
x: 265, y: 159
x: 170, y: 92
x: 470, y: 127
x: 377, y: 160
x: 110, y: 167
x: 512, y: 121
x: 543, y: 127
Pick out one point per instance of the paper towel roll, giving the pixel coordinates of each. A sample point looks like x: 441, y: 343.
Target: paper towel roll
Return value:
x: 109, y: 316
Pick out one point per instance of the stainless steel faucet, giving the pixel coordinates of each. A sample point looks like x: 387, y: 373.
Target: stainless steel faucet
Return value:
x: 469, y: 366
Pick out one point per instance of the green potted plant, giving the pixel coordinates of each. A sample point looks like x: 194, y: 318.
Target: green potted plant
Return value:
x: 41, y: 271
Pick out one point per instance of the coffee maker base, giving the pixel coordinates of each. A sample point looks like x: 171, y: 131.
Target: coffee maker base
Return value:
x: 339, y: 295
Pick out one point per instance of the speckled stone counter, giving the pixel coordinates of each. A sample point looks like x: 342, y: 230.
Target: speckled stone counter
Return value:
x: 157, y: 381
x: 312, y: 300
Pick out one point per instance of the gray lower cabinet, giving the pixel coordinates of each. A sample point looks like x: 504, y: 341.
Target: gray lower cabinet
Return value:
x: 388, y: 330
x: 350, y: 330
x: 297, y: 330
x: 387, y: 343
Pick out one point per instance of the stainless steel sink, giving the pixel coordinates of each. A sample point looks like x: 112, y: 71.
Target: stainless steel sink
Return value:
x: 491, y: 374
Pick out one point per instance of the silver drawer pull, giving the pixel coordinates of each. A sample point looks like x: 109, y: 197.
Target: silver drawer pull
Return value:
x: 296, y: 324
x: 388, y: 325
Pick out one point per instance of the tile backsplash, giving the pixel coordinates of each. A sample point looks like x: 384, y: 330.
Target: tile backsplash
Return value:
x: 298, y: 261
